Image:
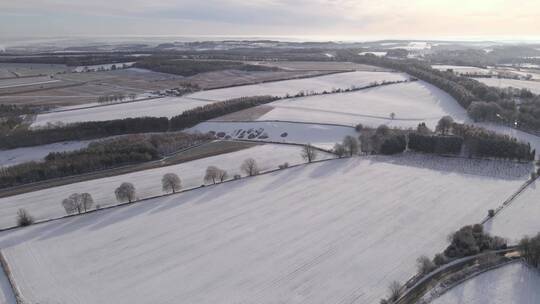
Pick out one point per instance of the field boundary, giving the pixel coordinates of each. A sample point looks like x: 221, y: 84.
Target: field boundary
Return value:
x: 9, y: 275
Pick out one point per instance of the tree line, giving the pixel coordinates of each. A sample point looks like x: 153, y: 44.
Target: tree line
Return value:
x: 100, y: 155
x: 482, y: 102
x: 187, y: 67
x: 98, y: 129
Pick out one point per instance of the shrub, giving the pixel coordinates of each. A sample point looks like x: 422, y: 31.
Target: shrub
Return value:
x: 491, y: 213
x: 24, y: 218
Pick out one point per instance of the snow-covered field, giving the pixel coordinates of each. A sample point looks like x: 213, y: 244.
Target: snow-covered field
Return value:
x: 533, y: 86
x: 462, y: 69
x: 333, y: 232
x: 378, y: 54
x: 25, y: 81
x: 160, y: 107
x: 319, y: 135
x: 37, y: 153
x: 293, y: 87
x: 412, y: 103
x: 45, y: 203
x: 519, y: 219
x: 515, y: 283
x: 6, y: 293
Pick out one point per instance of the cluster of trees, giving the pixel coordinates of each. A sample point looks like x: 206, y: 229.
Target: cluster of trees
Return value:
x: 69, y: 60
x: 97, y: 156
x: 382, y: 140
x: 111, y: 98
x: 186, y: 67
x: 348, y: 147
x: 78, y: 203
x: 530, y: 250
x: 194, y: 116
x: 98, y: 129
x: 215, y: 174
x: 483, y: 143
x: 472, y: 240
x: 83, y: 131
x: 11, y: 116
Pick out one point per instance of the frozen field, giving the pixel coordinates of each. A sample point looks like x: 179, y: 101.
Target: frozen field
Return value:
x: 520, y: 218
x: 325, y: 233
x: 27, y: 81
x: 292, y: 87
x: 511, y: 284
x: 322, y: 136
x: 37, y: 153
x: 412, y: 103
x: 45, y: 203
x: 160, y: 107
x: 533, y: 86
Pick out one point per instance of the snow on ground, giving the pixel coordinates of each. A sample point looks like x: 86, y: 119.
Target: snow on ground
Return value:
x: 293, y: 87
x: 160, y: 107
x: 325, y: 233
x: 462, y: 69
x: 37, y: 153
x: 515, y: 283
x: 412, y: 103
x: 6, y: 293
x: 45, y: 203
x: 319, y: 135
x: 25, y: 81
x: 520, y: 218
x: 533, y: 86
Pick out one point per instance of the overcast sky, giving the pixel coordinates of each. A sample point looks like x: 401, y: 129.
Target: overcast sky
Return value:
x: 330, y: 18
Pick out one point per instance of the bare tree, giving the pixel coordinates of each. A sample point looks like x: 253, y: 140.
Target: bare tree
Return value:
x: 339, y: 150
x: 425, y: 265
x: 395, y: 290
x: 24, y: 218
x: 250, y: 167
x: 309, y: 153
x: 392, y: 115
x: 86, y: 201
x: 126, y: 192
x: 170, y: 182
x: 132, y: 96
x: 69, y: 205
x: 444, y: 125
x: 222, y: 175
x: 351, y: 145
x: 76, y: 199
x: 211, y: 174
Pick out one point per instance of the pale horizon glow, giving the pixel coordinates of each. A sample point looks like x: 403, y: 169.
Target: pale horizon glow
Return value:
x: 344, y: 20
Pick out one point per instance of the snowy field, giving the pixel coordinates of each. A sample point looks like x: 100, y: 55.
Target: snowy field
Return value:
x: 319, y: 135
x: 520, y: 218
x: 293, y: 87
x: 6, y: 293
x: 37, y: 153
x: 160, y: 107
x: 533, y: 86
x: 45, y: 203
x: 325, y: 233
x: 515, y: 283
x: 412, y: 103
x: 378, y: 54
x: 26, y: 81
x: 462, y: 69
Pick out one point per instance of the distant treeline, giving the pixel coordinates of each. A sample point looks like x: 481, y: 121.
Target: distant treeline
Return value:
x: 99, y: 155
x: 99, y: 129
x: 80, y: 60
x: 186, y: 67
x: 483, y: 103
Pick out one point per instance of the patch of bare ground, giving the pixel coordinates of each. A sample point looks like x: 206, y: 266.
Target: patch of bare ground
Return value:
x: 197, y: 152
x: 219, y: 79
x: 250, y: 114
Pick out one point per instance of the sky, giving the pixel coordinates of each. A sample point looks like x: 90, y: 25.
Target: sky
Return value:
x: 363, y: 19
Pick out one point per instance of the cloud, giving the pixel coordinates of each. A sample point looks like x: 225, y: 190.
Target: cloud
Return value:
x: 276, y: 17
